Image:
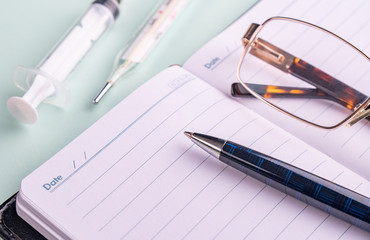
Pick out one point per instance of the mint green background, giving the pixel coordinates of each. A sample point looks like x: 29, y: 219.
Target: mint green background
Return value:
x: 30, y: 29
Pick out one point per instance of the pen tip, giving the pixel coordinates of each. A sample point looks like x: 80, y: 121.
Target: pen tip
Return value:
x: 188, y: 134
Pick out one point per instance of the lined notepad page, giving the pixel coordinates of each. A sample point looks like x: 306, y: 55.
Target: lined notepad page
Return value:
x: 134, y: 175
x: 216, y: 62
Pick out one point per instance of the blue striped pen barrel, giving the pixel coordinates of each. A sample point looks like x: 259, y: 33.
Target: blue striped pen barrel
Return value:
x: 305, y: 186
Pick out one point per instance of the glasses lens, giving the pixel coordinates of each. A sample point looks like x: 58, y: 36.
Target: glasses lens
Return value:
x: 306, y: 71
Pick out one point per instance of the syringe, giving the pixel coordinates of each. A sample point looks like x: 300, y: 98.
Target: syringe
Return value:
x: 44, y: 82
x: 128, y: 59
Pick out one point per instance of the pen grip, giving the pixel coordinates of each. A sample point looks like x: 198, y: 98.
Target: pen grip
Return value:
x: 313, y: 190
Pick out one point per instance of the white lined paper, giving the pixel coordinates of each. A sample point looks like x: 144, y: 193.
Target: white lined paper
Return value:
x: 149, y: 181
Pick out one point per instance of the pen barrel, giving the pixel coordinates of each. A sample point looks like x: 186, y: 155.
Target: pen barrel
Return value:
x: 305, y: 186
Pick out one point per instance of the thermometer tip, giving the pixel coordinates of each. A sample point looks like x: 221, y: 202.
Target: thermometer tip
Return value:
x: 102, y: 92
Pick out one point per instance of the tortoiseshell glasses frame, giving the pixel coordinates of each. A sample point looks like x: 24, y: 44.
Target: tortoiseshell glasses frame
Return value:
x: 325, y: 86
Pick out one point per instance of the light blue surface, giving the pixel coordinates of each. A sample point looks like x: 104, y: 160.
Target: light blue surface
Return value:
x: 30, y: 29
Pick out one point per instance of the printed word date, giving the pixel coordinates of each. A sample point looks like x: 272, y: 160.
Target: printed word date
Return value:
x: 212, y: 63
x: 52, y: 183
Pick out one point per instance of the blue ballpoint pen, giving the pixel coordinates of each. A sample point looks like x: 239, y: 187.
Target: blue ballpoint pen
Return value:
x: 307, y: 187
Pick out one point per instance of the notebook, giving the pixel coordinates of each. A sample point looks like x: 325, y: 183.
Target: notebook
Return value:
x: 134, y: 175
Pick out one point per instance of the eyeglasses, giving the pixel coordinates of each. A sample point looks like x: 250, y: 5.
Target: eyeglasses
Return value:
x: 327, y: 89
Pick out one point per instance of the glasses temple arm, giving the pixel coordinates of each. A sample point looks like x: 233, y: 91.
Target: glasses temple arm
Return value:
x: 328, y: 84
x: 337, y: 90
x: 273, y: 91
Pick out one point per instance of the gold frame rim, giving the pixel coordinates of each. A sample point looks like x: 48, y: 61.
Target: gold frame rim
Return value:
x: 247, y: 47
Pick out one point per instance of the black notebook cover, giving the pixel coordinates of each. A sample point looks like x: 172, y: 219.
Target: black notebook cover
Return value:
x: 14, y: 227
